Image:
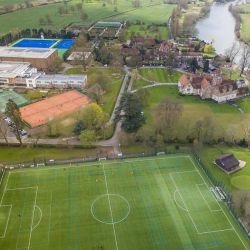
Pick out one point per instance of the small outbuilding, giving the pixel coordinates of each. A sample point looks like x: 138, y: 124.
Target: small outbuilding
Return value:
x: 229, y: 164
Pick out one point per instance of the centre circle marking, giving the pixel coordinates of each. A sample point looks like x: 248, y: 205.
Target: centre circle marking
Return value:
x: 110, y: 195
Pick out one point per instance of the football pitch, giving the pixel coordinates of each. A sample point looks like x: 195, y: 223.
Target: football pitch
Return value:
x: 162, y: 202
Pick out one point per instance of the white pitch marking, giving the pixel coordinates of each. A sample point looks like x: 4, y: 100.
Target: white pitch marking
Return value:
x: 110, y: 208
x: 219, y: 204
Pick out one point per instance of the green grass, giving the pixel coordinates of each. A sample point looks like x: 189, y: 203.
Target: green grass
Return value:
x: 153, y: 14
x: 153, y: 203
x: 137, y: 84
x: 244, y: 104
x: 241, y: 182
x: 209, y: 154
x: 12, y: 155
x: 159, y: 32
x: 227, y: 118
x: 245, y: 32
x: 29, y: 18
x: 160, y: 75
x: 113, y: 88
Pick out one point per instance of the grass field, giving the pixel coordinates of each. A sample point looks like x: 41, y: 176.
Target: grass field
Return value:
x: 153, y: 203
x: 225, y: 116
x: 160, y: 75
x: 29, y: 18
x: 159, y: 32
x: 245, y: 32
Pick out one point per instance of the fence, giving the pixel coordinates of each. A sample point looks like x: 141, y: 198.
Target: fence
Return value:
x: 194, y: 154
x: 228, y: 200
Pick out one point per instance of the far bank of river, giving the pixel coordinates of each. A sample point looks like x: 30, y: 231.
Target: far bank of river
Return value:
x: 218, y: 27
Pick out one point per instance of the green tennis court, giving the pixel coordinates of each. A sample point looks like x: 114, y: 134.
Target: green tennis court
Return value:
x: 5, y: 95
x: 162, y: 202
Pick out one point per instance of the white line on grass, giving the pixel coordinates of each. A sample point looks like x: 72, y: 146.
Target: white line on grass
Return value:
x: 211, y: 210
x: 218, y: 203
x: 191, y: 218
x: 41, y: 215
x: 2, y: 177
x: 7, y: 223
x: 110, y: 208
x: 32, y: 219
x: 49, y: 219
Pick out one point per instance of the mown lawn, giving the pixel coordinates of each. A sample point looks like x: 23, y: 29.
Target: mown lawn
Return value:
x: 160, y: 75
x: 226, y: 117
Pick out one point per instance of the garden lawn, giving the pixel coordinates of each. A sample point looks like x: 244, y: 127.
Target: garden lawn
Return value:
x: 160, y: 75
x: 226, y: 117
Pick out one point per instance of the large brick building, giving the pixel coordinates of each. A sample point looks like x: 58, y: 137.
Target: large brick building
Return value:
x: 38, y: 57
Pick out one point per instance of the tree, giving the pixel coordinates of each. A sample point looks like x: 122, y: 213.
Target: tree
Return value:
x: 206, y: 66
x: 87, y: 137
x: 167, y: 115
x: 208, y: 49
x: 245, y: 58
x: 93, y: 117
x: 194, y: 65
x: 204, y: 130
x: 12, y: 111
x: 232, y: 52
x: 56, y: 66
x: 130, y: 113
x: 79, y: 127
x: 3, y: 128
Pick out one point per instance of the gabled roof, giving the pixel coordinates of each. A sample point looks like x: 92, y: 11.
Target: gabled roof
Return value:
x: 227, y: 162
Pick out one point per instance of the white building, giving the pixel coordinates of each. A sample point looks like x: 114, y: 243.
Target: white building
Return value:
x: 60, y: 81
x: 15, y: 73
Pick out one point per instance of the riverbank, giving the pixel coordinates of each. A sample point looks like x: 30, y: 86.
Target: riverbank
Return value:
x: 241, y: 14
x: 185, y: 17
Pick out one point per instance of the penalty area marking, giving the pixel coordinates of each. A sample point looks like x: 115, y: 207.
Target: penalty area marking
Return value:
x: 112, y: 222
x: 41, y: 215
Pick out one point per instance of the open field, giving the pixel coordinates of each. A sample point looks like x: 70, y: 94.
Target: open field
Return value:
x: 158, y: 32
x: 161, y: 14
x: 29, y: 18
x: 160, y: 75
x: 245, y: 32
x: 153, y: 203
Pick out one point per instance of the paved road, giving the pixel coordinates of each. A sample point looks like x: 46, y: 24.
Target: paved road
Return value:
x: 122, y: 90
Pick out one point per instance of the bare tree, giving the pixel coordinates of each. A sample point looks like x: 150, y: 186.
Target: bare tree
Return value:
x: 245, y: 58
x: 3, y: 128
x: 168, y: 113
x: 232, y: 52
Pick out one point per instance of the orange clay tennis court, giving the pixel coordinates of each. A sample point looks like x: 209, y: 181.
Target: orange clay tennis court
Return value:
x: 40, y: 113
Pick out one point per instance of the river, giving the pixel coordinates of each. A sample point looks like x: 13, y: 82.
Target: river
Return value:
x: 218, y: 27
